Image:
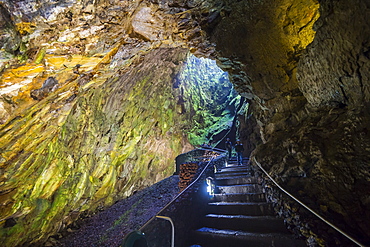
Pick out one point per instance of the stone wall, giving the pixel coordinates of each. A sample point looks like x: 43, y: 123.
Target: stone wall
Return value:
x: 187, y: 173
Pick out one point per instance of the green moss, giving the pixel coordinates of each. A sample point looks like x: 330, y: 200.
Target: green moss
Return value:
x: 13, y: 234
x: 127, y: 128
x: 209, y: 99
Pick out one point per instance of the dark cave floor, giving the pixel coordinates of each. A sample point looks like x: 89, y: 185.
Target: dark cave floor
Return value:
x: 108, y: 227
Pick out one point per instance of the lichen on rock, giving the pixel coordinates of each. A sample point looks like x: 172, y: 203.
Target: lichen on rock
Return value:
x: 112, y: 140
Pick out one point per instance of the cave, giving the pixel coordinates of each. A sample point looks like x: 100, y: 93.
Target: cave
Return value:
x: 94, y: 107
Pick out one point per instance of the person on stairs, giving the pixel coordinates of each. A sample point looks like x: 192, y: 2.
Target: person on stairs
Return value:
x: 239, y: 148
x: 229, y: 147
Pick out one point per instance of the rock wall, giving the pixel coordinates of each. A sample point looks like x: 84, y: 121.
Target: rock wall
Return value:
x: 333, y: 72
x: 75, y: 152
x: 304, y: 66
x: 327, y: 147
x: 88, y: 108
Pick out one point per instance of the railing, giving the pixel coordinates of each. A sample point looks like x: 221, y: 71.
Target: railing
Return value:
x: 195, y: 155
x: 180, y: 211
x: 172, y: 228
x: 306, y: 207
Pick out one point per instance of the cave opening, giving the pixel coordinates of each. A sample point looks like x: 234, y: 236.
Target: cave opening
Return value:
x: 207, y: 95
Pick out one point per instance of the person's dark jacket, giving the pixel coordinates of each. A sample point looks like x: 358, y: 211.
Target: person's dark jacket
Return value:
x: 239, y: 147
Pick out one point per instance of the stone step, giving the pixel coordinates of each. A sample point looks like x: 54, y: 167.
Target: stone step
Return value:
x: 234, y: 159
x: 211, y: 237
x: 234, y: 168
x: 239, y: 188
x: 240, y: 197
x: 241, y: 208
x: 256, y: 224
x: 232, y: 174
x: 236, y: 180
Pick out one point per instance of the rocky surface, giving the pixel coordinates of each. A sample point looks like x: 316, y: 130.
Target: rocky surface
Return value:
x: 305, y: 163
x: 107, y: 228
x: 83, y: 149
x: 333, y: 72
x: 88, y: 115
x: 324, y: 143
x: 304, y: 66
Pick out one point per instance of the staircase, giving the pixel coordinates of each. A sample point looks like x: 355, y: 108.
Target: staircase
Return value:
x: 238, y: 215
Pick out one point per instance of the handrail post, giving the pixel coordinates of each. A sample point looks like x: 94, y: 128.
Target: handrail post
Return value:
x: 173, y: 228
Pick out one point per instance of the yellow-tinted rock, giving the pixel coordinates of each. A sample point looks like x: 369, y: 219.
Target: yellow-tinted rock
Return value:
x: 85, y: 143
x: 146, y: 23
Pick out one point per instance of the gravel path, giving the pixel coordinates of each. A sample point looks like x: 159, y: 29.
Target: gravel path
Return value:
x: 107, y: 228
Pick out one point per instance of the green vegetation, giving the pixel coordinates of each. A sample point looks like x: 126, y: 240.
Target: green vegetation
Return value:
x: 208, y: 98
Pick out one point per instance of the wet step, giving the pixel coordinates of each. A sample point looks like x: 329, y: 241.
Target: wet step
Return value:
x: 238, y: 214
x: 235, y: 168
x: 236, y: 180
x: 230, y: 174
x: 211, y: 237
x: 256, y: 224
x: 241, y: 208
x: 234, y: 159
x: 240, y: 188
x: 240, y: 197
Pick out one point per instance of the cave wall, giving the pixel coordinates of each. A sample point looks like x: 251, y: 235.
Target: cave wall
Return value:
x: 304, y: 67
x: 89, y: 112
x: 334, y: 70
x: 328, y: 139
x: 87, y: 150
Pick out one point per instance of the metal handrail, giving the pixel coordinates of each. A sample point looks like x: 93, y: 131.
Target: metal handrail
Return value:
x: 176, y: 197
x: 213, y: 149
x: 309, y: 209
x: 194, y: 155
x: 172, y: 226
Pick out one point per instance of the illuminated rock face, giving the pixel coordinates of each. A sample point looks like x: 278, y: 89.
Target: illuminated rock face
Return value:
x: 302, y: 64
x: 80, y: 149
x: 334, y: 71
x: 88, y: 115
x: 267, y: 39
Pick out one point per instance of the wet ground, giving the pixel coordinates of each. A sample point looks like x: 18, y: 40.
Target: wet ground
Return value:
x: 107, y: 228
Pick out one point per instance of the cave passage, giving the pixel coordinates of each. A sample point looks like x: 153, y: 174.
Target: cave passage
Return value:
x: 208, y: 96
